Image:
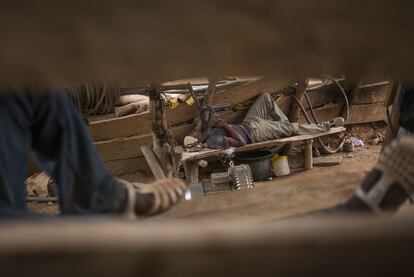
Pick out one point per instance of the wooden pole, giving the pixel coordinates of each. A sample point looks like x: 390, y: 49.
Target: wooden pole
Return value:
x: 308, y: 154
x: 153, y: 163
x: 295, y: 111
x: 159, y: 129
x: 394, y: 125
x: 208, y: 99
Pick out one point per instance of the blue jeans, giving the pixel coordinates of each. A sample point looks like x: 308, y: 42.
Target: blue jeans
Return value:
x: 46, y: 122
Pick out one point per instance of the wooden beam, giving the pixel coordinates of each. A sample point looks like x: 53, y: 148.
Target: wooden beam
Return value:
x: 327, y: 161
x: 153, y: 163
x: 325, y: 113
x: 367, y: 113
x: 191, y: 172
x: 208, y: 98
x: 130, y: 147
x: 127, y: 166
x: 371, y: 94
x: 164, y: 41
x: 138, y: 124
x: 325, y: 246
x: 268, y: 144
x: 308, y: 157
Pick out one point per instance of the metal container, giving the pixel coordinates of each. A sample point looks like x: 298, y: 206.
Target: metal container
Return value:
x: 259, y: 162
x: 241, y: 176
x: 348, y: 146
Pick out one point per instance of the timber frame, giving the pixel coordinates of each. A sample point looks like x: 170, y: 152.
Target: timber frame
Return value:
x: 192, y: 163
x: 164, y: 156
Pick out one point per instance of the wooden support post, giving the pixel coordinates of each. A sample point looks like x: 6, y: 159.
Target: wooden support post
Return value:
x: 295, y: 108
x: 295, y: 111
x: 159, y: 129
x: 202, y: 163
x: 208, y: 98
x: 308, y: 154
x: 191, y: 172
x: 153, y: 162
x: 392, y: 99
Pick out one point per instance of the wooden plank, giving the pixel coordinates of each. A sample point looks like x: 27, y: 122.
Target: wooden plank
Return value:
x: 321, y: 98
x: 125, y: 40
x: 325, y: 113
x: 130, y: 147
x: 308, y: 156
x: 327, y: 161
x: 367, y: 113
x: 358, y: 113
x: 138, y: 124
x: 324, y: 246
x: 191, y: 172
x: 152, y: 162
x: 369, y: 94
x: 268, y: 144
x: 127, y: 166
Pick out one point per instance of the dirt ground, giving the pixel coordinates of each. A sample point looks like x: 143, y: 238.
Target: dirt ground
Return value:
x: 299, y: 193
x: 296, y: 194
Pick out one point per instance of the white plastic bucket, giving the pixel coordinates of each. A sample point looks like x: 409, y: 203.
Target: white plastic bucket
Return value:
x: 280, y: 166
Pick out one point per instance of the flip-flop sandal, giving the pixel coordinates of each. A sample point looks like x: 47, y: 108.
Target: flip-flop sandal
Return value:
x: 337, y: 122
x: 131, y: 199
x: 166, y: 194
x: 395, y: 167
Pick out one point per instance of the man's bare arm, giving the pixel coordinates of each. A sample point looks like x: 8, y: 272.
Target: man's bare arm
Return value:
x: 235, y: 139
x: 234, y: 142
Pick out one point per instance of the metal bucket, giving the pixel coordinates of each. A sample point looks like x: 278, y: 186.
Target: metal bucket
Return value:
x: 259, y: 162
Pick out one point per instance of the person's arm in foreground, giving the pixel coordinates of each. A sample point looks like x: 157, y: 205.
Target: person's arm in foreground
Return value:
x: 235, y: 139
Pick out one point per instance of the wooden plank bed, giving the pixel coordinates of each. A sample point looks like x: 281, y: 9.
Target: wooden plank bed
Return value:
x: 191, y: 162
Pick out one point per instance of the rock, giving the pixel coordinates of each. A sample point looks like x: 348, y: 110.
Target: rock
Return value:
x: 375, y: 141
x: 349, y: 155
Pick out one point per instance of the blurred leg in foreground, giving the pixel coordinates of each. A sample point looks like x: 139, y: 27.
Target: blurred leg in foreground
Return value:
x: 390, y: 183
x: 47, y: 122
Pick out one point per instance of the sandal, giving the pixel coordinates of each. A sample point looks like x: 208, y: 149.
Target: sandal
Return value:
x: 393, y: 181
x: 165, y: 194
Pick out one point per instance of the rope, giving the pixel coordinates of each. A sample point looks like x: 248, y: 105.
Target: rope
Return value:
x: 93, y: 98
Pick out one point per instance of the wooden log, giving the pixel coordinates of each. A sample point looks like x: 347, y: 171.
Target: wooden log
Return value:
x: 308, y: 154
x: 125, y: 110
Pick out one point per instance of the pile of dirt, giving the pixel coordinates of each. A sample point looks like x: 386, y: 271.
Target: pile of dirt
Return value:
x: 371, y: 133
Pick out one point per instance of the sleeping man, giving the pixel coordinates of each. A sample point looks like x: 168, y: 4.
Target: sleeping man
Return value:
x: 257, y: 127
